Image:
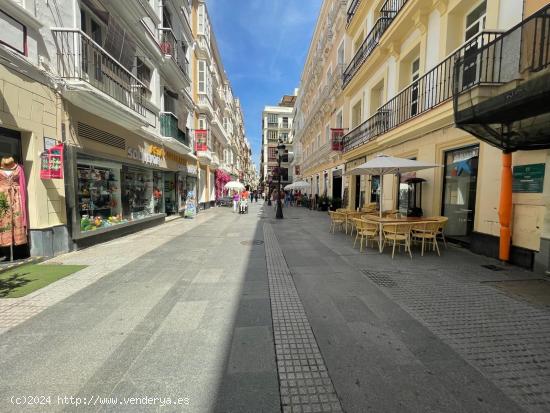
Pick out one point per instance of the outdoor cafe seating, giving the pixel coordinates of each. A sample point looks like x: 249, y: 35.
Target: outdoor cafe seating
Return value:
x: 392, y: 229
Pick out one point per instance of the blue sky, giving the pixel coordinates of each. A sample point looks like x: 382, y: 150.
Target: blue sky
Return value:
x: 263, y: 44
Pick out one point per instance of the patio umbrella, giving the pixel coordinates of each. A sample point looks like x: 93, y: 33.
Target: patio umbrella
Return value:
x: 383, y: 165
x: 288, y: 187
x: 234, y: 185
x: 300, y: 185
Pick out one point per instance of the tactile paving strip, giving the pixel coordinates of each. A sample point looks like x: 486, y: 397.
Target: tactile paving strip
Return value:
x: 506, y: 339
x: 304, y: 382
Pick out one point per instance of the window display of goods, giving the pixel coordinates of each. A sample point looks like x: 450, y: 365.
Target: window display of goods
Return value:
x: 88, y: 223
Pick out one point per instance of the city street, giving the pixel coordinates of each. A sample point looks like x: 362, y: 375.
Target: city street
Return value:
x: 246, y: 313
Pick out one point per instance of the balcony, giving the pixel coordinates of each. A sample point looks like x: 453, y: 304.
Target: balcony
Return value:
x: 171, y: 47
x: 388, y: 12
x: 352, y: 9
x: 215, y: 160
x: 87, y: 67
x: 502, y: 88
x: 432, y: 89
x: 205, y: 156
x: 168, y: 124
x: 205, y: 105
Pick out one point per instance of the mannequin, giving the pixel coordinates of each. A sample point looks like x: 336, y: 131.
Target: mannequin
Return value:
x: 13, y: 224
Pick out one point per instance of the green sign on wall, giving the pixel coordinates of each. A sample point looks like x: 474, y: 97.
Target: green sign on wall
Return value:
x: 528, y: 178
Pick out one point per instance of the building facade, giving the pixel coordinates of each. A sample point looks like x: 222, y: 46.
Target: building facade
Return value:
x: 277, y: 125
x: 403, y: 87
x: 101, y: 108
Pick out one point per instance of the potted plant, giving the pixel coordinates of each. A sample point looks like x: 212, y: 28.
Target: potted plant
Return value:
x: 323, y: 203
x: 335, y: 204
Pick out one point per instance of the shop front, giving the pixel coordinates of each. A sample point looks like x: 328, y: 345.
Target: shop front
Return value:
x: 121, y: 182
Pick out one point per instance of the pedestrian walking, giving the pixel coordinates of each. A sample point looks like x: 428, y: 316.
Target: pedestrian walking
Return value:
x: 236, y: 200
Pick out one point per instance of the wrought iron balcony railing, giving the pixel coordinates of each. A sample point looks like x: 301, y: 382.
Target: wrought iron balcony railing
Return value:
x: 352, y: 9
x: 171, y: 46
x: 81, y: 58
x: 422, y: 95
x: 388, y: 12
x: 524, y: 48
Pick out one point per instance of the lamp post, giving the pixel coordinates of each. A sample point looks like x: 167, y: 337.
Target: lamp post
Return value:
x: 269, y: 192
x: 280, y: 152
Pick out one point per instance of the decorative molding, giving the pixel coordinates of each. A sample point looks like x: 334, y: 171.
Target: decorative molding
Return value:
x: 420, y: 19
x: 440, y: 5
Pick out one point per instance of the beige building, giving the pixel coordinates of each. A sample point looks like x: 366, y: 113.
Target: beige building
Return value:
x: 218, y: 120
x: 112, y: 90
x: 405, y: 61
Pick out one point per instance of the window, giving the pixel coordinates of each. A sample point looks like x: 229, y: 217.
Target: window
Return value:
x: 341, y: 53
x: 201, y: 19
x: 272, y: 135
x: 358, y: 42
x: 272, y: 119
x: 475, y: 23
x: 339, y: 120
x: 143, y: 72
x: 202, y: 123
x: 13, y: 34
x: 285, y: 122
x: 415, y: 74
x: 318, y: 141
x: 202, y: 76
x: 284, y: 136
x: 475, y: 20
x: 327, y: 133
x: 356, y: 115
x: 272, y: 154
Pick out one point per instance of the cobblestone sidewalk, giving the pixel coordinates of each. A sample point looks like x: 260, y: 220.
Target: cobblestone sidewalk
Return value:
x: 305, y: 385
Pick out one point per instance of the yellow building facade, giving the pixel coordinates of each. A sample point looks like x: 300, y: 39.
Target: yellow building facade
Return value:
x: 397, y: 98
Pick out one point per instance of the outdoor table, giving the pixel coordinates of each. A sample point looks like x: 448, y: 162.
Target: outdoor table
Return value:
x: 350, y: 213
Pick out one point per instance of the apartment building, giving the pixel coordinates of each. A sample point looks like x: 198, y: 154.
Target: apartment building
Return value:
x: 99, y: 108
x: 319, y: 111
x: 218, y: 120
x: 277, y: 125
x: 417, y: 74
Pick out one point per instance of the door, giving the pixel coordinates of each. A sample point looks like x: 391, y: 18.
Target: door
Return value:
x: 459, y: 192
x: 415, y: 74
x: 337, y: 187
x: 357, y: 191
x: 475, y: 23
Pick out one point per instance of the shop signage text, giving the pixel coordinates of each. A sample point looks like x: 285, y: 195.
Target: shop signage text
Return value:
x: 528, y: 178
x: 144, y: 156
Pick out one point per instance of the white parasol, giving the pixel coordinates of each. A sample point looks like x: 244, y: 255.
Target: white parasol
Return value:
x: 383, y: 165
x: 234, y: 185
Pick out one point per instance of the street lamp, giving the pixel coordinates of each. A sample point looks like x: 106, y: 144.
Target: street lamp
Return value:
x: 280, y: 152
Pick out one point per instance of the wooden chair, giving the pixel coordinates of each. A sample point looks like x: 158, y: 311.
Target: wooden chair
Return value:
x: 391, y: 214
x: 399, y: 234
x: 336, y: 219
x: 441, y: 230
x: 426, y: 231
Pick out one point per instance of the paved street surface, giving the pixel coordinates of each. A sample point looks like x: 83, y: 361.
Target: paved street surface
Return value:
x: 245, y: 313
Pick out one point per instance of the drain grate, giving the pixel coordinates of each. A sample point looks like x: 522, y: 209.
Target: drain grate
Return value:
x: 379, y: 278
x: 493, y: 267
x: 252, y: 242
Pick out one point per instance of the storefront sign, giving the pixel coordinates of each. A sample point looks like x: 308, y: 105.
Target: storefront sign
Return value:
x: 337, y: 139
x: 201, y: 140
x: 528, y: 178
x: 191, y: 169
x: 157, y: 151
x: 51, y: 163
x: 144, y: 156
x: 49, y: 143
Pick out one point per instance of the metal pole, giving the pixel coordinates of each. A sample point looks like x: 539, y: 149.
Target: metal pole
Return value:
x: 279, y: 214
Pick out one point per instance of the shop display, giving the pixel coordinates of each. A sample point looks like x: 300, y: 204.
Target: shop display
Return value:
x: 137, y: 192
x: 98, y: 196
x: 13, y: 204
x: 158, y: 193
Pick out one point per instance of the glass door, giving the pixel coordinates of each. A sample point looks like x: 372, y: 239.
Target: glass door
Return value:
x: 475, y: 23
x: 459, y: 192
